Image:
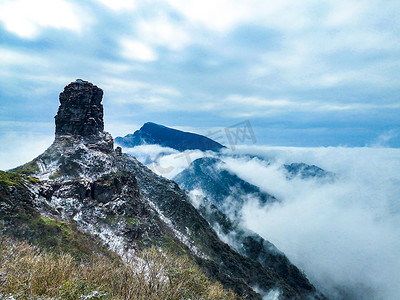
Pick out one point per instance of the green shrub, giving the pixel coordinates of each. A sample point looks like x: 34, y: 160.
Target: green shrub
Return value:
x: 27, y: 169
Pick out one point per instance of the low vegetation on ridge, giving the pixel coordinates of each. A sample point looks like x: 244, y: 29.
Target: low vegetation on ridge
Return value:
x: 27, y: 272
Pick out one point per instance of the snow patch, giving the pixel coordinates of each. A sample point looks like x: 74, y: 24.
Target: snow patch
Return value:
x: 272, y: 295
x: 183, y: 238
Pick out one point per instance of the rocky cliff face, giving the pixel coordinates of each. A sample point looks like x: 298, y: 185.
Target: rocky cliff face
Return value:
x: 113, y: 197
x: 81, y: 111
x: 80, y: 118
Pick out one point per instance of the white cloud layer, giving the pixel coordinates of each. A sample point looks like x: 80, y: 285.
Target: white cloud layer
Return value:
x: 27, y: 18
x: 161, y: 30
x: 12, y: 58
x: 165, y: 161
x: 343, y: 234
x: 137, y: 50
x: 224, y: 15
x: 119, y: 5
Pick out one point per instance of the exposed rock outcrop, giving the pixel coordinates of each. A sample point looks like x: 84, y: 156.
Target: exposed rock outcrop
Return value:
x: 81, y: 111
x: 80, y: 117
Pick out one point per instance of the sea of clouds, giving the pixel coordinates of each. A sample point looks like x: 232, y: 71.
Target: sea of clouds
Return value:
x: 344, y: 234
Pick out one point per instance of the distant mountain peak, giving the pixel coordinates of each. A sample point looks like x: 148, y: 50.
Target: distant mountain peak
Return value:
x: 151, y: 124
x: 151, y: 134
x: 305, y: 171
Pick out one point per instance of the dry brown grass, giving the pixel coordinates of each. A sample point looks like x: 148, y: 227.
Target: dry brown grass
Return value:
x: 27, y: 273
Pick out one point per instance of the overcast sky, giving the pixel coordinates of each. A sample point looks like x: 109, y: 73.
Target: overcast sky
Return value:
x: 304, y: 72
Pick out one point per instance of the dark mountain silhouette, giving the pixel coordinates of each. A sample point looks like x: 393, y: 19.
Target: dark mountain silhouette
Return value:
x: 151, y: 133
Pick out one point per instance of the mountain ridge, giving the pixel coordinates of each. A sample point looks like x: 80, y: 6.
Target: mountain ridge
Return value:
x: 110, y: 195
x: 209, y: 175
x: 152, y: 133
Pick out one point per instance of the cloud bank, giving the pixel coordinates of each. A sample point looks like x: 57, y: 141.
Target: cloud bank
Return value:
x: 343, y: 234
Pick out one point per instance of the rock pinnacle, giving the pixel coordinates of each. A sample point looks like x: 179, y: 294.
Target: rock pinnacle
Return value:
x: 80, y: 112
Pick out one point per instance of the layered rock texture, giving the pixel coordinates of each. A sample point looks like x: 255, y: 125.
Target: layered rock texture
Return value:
x: 110, y: 196
x: 81, y: 111
x: 80, y: 117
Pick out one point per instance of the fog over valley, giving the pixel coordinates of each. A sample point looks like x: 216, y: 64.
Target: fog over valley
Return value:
x: 342, y: 232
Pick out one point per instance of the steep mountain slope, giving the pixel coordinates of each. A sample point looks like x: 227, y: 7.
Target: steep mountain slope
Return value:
x: 151, y: 133
x: 249, y: 243
x: 217, y: 194
x: 226, y: 190
x: 111, y: 197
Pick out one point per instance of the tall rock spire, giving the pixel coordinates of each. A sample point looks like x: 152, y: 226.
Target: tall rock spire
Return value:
x: 81, y: 111
x: 80, y: 117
